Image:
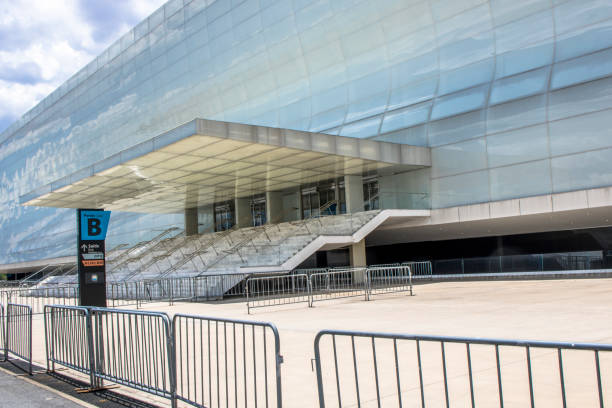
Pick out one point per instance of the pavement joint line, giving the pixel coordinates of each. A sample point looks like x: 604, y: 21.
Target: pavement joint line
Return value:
x: 47, y: 388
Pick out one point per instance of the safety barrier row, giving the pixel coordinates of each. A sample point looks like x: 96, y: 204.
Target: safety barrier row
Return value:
x: 206, y: 287
x: 332, y: 284
x: 198, y: 360
x: 358, y: 369
x: 16, y: 336
x: 37, y: 298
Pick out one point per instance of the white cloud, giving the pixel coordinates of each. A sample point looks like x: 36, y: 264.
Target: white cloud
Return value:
x: 44, y: 42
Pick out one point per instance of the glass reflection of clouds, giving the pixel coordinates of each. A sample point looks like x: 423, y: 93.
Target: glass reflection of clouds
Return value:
x: 418, y: 72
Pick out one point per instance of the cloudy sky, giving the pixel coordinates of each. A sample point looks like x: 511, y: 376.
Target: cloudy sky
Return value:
x: 44, y: 42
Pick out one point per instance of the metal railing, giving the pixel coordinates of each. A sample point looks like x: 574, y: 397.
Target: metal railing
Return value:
x: 422, y: 268
x: 69, y: 339
x: 277, y: 290
x: 222, y: 362
x: 19, y: 333
x: 202, y: 361
x: 381, y: 280
x: 37, y: 298
x: 196, y: 288
x: 338, y: 283
x: 378, y: 369
x: 134, y: 348
x: 2, y: 332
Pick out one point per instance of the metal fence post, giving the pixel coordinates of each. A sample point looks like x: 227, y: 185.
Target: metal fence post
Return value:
x: 310, y: 296
x: 93, y: 383
x: 410, y: 279
x: 247, y: 296
x: 367, y: 284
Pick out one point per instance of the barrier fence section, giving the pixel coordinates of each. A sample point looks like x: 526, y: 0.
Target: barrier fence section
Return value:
x: 338, y: 283
x: 223, y: 362
x: 19, y: 333
x: 134, y: 348
x: 358, y: 369
x: 419, y: 268
x: 382, y: 280
x: 68, y: 339
x: 2, y: 332
x: 37, y: 298
x: 277, y: 290
x: 205, y: 287
x: 327, y: 285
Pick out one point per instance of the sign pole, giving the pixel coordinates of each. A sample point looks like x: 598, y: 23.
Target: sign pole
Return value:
x: 91, y: 263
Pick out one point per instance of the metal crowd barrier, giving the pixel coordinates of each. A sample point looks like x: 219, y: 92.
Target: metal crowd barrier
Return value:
x: 69, y: 339
x: 215, y: 362
x: 277, y: 290
x: 419, y: 268
x: 223, y: 362
x: 205, y: 287
x: 338, y: 283
x: 358, y: 369
x: 37, y: 298
x: 332, y: 284
x: 19, y: 333
x: 134, y: 348
x: 382, y: 280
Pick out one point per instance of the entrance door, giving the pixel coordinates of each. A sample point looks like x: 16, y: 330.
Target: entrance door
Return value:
x: 224, y: 216
x: 258, y: 211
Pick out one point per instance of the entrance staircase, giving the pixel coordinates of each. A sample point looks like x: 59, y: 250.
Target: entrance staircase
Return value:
x: 268, y: 248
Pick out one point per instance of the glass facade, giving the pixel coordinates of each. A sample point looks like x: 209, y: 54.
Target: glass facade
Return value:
x: 511, y: 97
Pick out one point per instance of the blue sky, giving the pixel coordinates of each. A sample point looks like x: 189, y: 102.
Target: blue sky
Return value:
x: 44, y: 42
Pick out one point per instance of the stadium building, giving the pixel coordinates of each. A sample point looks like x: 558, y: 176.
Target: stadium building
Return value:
x: 260, y: 135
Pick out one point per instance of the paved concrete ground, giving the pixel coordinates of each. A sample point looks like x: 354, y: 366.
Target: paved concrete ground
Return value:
x: 18, y: 392
x: 562, y: 310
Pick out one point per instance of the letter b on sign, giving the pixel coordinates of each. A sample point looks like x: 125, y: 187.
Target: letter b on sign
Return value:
x: 93, y: 227
x: 94, y: 224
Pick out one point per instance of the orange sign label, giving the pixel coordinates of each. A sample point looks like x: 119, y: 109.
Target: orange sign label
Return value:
x: 93, y: 262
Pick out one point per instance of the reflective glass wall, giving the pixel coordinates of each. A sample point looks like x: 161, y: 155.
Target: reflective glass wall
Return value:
x: 511, y: 95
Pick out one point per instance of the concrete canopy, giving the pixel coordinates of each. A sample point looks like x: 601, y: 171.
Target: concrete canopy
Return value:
x: 205, y: 161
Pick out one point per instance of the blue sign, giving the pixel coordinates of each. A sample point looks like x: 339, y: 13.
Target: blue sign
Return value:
x: 94, y: 225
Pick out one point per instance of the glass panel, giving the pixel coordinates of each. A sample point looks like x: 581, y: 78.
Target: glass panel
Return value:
x: 519, y: 86
x: 582, y: 69
x: 580, y: 133
x: 523, y: 112
x: 460, y: 102
x: 589, y: 97
x: 463, y: 189
x: 459, y: 158
x: 457, y: 128
x: 519, y: 145
x: 521, y: 180
x: 581, y: 171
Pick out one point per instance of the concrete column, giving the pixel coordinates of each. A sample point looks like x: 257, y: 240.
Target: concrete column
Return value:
x: 274, y: 207
x: 244, y: 218
x: 191, y: 221
x: 357, y: 254
x: 353, y: 189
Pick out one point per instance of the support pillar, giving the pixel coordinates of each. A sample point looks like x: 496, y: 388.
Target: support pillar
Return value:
x: 357, y: 253
x: 244, y: 218
x: 274, y: 207
x: 191, y: 221
x: 353, y: 188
